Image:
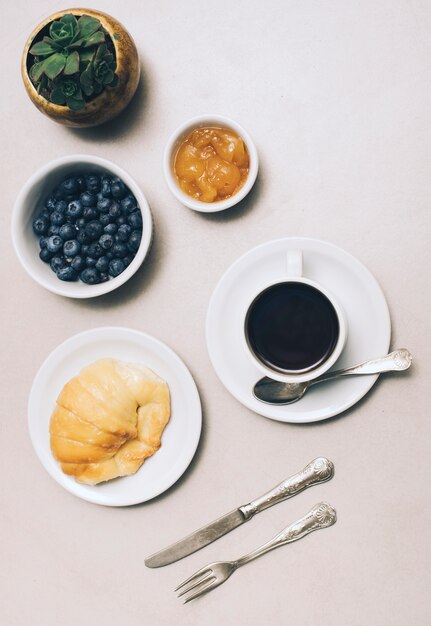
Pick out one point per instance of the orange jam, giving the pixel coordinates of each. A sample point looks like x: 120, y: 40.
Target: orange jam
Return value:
x: 211, y: 164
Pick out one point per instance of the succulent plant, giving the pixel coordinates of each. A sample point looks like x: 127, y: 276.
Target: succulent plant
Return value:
x: 75, y: 62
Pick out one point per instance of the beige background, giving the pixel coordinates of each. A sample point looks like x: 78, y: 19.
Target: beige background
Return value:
x: 336, y: 95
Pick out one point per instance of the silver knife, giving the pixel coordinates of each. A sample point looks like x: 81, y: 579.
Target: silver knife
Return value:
x: 318, y: 471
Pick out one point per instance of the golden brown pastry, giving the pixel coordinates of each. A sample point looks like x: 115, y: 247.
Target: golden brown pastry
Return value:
x: 108, y: 420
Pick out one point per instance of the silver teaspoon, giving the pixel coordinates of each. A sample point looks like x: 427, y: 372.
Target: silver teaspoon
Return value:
x: 275, y: 392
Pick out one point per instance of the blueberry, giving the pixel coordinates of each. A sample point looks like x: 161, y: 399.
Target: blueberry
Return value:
x: 106, y: 241
x: 90, y: 213
x: 57, y: 218
x: 83, y: 237
x: 106, y: 186
x: 67, y: 231
x: 45, y: 213
x: 43, y: 242
x: 74, y: 209
x: 94, y: 229
x: 119, y: 250
x: 116, y: 266
x: 95, y: 250
x: 127, y: 260
x: 115, y: 210
x: 118, y: 189
x: 104, y: 204
x: 134, y: 241
x: 40, y: 225
x: 80, y: 181
x: 128, y: 204
x: 90, y: 276
x: 88, y: 199
x: 84, y: 249
x: 93, y: 183
x: 104, y: 276
x: 104, y: 219
x: 78, y: 263
x: 102, y: 264
x: 121, y: 220
x: 45, y: 255
x: 71, y: 248
x: 80, y: 223
x: 61, y: 206
x: 111, y: 229
x: 53, y: 230
x: 90, y: 261
x: 70, y: 187
x: 124, y: 232
x: 50, y: 203
x: 67, y: 273
x: 135, y: 220
x: 109, y: 256
x: 54, y: 244
x: 58, y: 193
x: 57, y: 263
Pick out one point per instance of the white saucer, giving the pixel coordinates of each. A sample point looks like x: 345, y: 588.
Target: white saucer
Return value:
x: 368, y: 321
x: 180, y: 438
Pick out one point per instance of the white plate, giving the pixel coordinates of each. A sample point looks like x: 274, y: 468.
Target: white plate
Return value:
x: 180, y: 438
x: 368, y: 322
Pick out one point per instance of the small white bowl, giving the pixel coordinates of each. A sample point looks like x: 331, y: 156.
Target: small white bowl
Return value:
x: 172, y: 147
x: 29, y: 203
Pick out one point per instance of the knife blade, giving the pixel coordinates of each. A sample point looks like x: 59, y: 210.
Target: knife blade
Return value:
x: 317, y: 471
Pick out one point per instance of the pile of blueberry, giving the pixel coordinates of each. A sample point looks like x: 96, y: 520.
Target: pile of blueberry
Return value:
x: 89, y: 229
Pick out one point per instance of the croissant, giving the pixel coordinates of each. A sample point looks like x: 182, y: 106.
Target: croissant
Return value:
x: 108, y: 419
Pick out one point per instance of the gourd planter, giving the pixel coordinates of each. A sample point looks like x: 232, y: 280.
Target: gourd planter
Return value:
x: 76, y: 94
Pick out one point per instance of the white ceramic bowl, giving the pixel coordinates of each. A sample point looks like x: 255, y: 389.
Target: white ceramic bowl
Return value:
x: 171, y: 149
x: 29, y: 203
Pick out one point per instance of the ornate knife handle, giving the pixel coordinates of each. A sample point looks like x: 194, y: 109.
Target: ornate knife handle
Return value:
x: 318, y: 471
x: 321, y: 515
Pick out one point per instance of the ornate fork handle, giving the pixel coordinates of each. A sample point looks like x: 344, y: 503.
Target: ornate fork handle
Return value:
x: 321, y: 515
x: 317, y: 471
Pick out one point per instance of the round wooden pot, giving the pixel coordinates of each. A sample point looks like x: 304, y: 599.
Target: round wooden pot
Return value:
x: 111, y: 101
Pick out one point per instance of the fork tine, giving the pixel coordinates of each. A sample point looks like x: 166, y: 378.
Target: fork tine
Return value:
x: 202, y: 590
x: 201, y: 581
x: 203, y: 570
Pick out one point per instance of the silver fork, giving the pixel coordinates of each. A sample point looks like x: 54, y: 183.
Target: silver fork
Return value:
x: 211, y: 576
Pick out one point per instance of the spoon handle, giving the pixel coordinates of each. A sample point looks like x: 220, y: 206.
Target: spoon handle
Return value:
x: 395, y: 361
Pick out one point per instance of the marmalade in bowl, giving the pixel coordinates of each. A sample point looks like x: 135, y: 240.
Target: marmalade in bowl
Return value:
x: 211, y: 164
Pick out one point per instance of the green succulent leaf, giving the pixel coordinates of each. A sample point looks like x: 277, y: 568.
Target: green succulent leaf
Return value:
x: 58, y: 97
x: 86, y: 56
x: 36, y: 71
x: 41, y: 49
x: 53, y: 65
x: 95, y: 39
x: 52, y: 43
x: 87, y: 80
x: 63, y: 32
x: 69, y: 18
x: 108, y: 77
x: 88, y: 25
x: 75, y: 103
x: 72, y: 63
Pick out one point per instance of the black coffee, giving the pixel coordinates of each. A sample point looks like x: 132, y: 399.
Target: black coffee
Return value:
x: 292, y: 327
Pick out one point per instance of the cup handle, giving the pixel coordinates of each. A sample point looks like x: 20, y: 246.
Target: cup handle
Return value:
x: 294, y: 263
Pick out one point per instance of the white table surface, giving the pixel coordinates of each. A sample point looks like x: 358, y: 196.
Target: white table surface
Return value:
x: 336, y: 95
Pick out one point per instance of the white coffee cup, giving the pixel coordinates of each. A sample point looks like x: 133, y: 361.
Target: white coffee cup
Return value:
x: 294, y: 274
